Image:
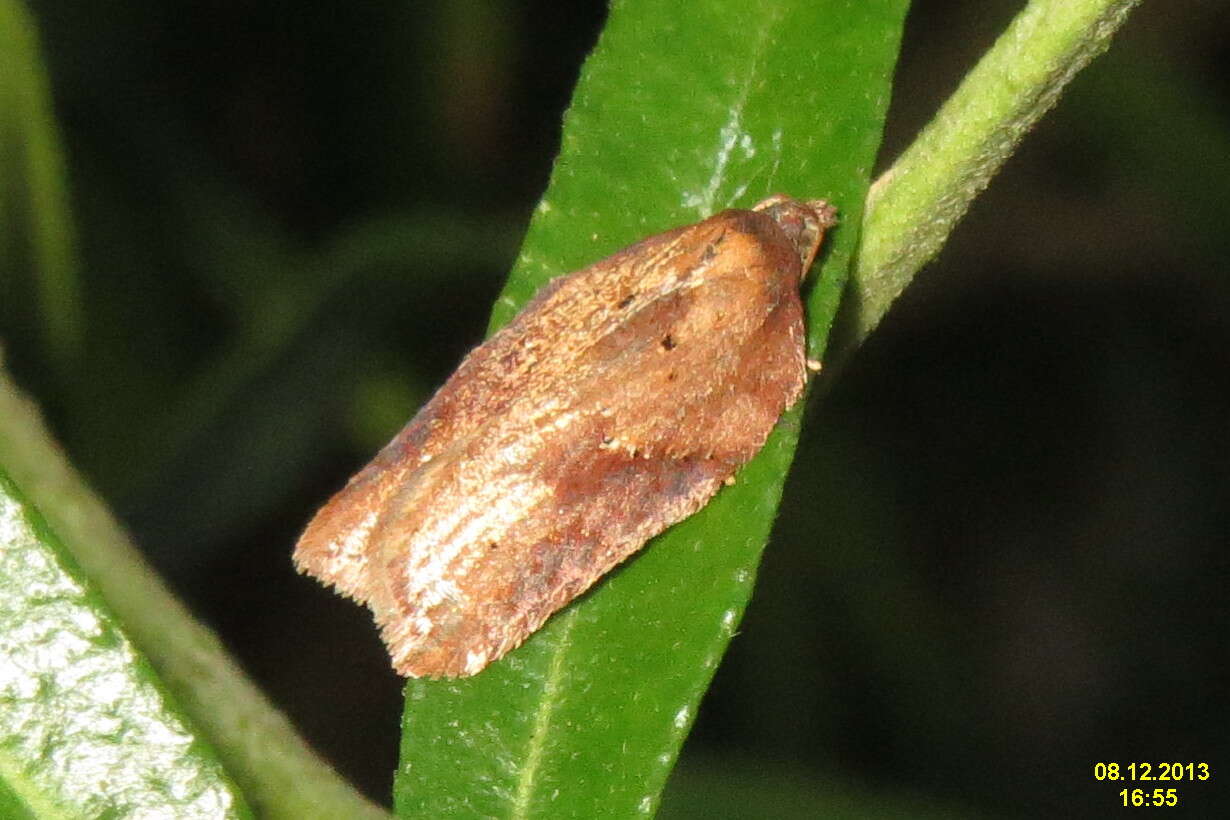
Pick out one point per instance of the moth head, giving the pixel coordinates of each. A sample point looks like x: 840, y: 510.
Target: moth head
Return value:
x: 803, y: 221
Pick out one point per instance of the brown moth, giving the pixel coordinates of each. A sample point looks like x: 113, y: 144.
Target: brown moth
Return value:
x: 614, y: 405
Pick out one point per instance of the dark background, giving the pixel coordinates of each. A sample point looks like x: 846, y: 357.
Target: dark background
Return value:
x: 1002, y: 553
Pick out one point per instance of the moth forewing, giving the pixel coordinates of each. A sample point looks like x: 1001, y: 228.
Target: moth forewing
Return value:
x: 614, y: 405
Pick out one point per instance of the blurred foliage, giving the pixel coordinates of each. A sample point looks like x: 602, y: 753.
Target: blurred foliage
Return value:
x: 36, y: 230
x: 999, y: 555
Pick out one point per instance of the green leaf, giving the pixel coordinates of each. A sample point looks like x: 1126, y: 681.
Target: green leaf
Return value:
x: 279, y: 775
x: 917, y: 203
x: 676, y: 115
x: 34, y: 187
x: 85, y: 728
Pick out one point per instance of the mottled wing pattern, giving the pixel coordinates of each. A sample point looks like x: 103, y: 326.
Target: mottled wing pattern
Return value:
x: 614, y: 405
x: 521, y: 357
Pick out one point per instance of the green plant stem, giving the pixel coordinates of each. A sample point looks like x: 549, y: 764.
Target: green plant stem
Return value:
x: 914, y: 206
x: 278, y: 773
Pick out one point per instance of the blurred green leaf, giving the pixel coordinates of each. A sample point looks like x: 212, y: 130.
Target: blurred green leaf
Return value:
x: 675, y: 117
x: 85, y: 728
x: 34, y: 202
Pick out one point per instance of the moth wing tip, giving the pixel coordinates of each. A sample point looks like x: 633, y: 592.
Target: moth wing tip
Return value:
x: 335, y: 556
